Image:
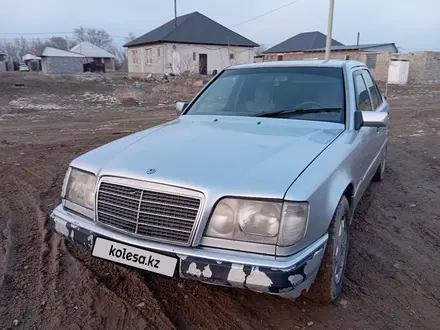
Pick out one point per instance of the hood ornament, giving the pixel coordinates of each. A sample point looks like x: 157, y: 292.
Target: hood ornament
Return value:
x: 151, y: 171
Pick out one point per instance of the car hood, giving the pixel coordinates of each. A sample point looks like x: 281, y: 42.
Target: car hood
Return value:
x: 242, y: 156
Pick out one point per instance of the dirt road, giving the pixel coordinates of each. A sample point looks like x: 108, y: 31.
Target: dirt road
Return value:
x: 393, y: 276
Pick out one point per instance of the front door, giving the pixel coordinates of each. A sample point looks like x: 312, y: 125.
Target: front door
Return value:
x: 368, y: 143
x: 203, y: 63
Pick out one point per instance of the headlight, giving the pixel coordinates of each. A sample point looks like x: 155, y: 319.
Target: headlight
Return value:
x: 80, y: 188
x: 258, y: 221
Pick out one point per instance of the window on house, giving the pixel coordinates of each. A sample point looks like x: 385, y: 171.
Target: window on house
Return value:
x: 148, y: 56
x: 158, y: 52
x: 2, y: 57
x: 362, y: 96
x: 134, y: 57
x: 231, y: 56
x: 194, y: 56
x: 280, y: 57
x: 371, y: 61
x: 347, y: 57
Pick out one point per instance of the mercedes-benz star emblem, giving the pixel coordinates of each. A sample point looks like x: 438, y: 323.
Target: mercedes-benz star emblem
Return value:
x: 151, y: 171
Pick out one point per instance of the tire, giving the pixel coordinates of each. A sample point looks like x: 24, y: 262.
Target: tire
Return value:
x: 330, y: 279
x: 380, y: 172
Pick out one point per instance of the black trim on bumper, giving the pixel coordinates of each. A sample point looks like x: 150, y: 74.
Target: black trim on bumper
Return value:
x: 284, y: 282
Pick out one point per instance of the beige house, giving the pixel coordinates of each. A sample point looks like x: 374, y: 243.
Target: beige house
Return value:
x: 192, y: 43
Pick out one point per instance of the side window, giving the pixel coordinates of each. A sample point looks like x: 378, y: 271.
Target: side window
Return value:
x: 362, y: 97
x: 374, y: 92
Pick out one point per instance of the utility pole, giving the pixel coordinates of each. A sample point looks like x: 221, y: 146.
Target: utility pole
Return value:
x: 358, y: 39
x: 328, y: 44
x: 175, y: 13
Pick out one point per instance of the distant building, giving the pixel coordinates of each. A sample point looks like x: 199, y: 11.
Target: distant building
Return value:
x: 33, y: 62
x: 3, y: 65
x: 61, y: 61
x: 301, y: 42
x: 95, y: 54
x: 311, y: 46
x: 191, y: 43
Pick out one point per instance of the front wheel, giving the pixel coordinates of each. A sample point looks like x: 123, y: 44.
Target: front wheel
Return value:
x: 329, y: 281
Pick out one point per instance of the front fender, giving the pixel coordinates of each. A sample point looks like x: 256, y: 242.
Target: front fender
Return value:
x: 322, y: 184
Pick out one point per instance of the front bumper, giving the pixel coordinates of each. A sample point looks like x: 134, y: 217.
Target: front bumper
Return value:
x: 282, y: 276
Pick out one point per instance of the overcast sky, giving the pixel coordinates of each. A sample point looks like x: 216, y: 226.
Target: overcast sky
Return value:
x: 411, y: 24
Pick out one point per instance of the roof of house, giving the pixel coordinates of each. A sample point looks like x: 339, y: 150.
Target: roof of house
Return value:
x: 193, y: 28
x: 55, y: 52
x: 90, y: 50
x: 30, y: 57
x: 301, y: 42
x: 355, y: 47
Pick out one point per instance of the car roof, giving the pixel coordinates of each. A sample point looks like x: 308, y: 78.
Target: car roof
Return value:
x: 310, y: 63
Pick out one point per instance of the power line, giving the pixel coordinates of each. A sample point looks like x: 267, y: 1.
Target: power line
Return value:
x: 36, y: 32
x: 269, y: 12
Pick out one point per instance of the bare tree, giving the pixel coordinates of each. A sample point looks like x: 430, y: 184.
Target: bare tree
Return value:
x: 18, y: 47
x: 99, y: 38
x: 260, y: 50
x: 121, y: 60
x: 59, y: 42
x: 131, y: 36
x: 79, y: 34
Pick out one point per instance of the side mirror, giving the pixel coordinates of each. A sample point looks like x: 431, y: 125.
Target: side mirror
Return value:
x: 180, y: 106
x: 371, y: 119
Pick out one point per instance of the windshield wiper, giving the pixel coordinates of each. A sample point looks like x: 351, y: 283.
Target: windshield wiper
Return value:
x: 296, y: 111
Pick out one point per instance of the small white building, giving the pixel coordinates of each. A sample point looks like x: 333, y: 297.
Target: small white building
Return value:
x: 192, y: 43
x: 95, y: 54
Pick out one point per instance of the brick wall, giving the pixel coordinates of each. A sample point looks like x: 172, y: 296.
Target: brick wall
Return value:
x: 432, y: 67
x: 417, y: 65
x: 62, y: 64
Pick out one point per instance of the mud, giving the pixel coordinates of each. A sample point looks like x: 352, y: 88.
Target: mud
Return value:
x: 393, y: 275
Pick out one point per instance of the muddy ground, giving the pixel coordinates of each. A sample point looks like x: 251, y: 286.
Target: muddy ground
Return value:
x: 393, y: 275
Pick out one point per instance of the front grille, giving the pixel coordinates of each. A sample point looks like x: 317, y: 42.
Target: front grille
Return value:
x: 156, y: 215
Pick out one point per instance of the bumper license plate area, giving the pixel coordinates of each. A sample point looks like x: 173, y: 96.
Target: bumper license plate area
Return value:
x: 134, y: 257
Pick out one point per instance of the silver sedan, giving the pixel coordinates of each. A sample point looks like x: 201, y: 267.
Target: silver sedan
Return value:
x: 254, y: 185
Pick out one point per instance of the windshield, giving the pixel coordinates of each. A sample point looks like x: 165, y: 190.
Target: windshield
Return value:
x: 257, y: 91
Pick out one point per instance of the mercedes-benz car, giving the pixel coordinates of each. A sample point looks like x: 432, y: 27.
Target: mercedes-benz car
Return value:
x: 253, y: 185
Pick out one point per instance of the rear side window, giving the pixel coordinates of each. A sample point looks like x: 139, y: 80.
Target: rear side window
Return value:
x: 362, y: 97
x: 374, y: 91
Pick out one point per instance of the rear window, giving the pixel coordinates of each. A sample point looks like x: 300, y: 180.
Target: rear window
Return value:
x: 249, y: 92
